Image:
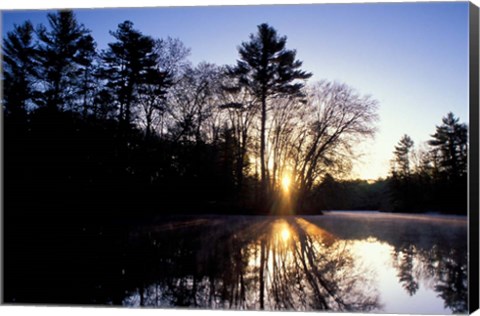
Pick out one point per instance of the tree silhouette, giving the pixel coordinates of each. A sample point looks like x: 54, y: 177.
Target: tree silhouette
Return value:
x: 240, y: 113
x: 86, y: 74
x: 406, y: 273
x: 59, y: 48
x: 403, y: 151
x: 172, y: 55
x: 269, y: 70
x: 334, y: 118
x: 438, y: 180
x: 450, y: 142
x: 450, y: 148
x: 193, y: 103
x: 170, y: 64
x: 126, y: 65
x: 402, y: 182
x: 19, y: 69
x: 452, y: 281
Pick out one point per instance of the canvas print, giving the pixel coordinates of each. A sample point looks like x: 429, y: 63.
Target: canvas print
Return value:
x: 258, y: 157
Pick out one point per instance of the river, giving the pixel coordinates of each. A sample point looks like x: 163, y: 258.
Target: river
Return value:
x: 341, y: 261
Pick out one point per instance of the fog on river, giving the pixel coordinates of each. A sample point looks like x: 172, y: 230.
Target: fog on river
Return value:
x: 342, y: 261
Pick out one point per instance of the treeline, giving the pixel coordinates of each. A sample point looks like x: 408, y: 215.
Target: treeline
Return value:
x: 432, y: 178
x: 137, y: 128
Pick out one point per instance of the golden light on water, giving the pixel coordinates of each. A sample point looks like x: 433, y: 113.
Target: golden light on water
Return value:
x: 281, y: 231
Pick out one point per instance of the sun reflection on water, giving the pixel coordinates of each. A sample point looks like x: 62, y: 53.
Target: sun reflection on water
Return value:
x: 294, y: 263
x: 281, y: 231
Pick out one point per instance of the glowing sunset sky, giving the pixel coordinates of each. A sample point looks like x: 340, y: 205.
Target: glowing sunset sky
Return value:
x: 411, y: 57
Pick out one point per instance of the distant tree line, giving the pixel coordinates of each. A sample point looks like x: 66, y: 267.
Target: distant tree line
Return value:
x: 137, y: 126
x: 432, y: 178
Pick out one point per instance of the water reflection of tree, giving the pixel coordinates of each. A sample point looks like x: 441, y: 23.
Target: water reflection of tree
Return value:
x: 194, y: 265
x: 450, y: 275
x: 247, y: 265
x: 406, y: 273
x: 443, y: 270
x: 323, y: 267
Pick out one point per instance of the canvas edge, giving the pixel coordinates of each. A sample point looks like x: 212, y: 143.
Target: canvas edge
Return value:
x: 473, y: 194
x: 473, y: 268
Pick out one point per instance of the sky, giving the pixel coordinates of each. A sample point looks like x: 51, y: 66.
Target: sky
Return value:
x: 411, y: 57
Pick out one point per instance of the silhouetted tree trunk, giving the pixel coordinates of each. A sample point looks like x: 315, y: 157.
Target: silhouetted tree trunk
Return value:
x: 262, y: 272
x: 263, y: 172
x: 87, y: 83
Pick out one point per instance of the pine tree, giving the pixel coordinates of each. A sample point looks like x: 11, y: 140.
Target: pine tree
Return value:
x: 127, y: 63
x: 402, y: 182
x: 19, y: 69
x: 450, y: 142
x: 269, y: 70
x: 58, y: 52
x: 87, y: 82
x: 403, y: 152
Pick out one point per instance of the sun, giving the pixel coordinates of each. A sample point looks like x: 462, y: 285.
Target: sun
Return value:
x: 286, y: 181
x: 285, y: 233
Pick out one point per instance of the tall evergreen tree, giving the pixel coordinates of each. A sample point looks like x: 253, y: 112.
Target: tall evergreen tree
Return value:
x: 403, y: 151
x: 87, y: 82
x: 401, y: 185
x: 450, y: 147
x: 269, y: 70
x: 450, y: 142
x: 127, y: 64
x: 58, y: 51
x: 19, y: 69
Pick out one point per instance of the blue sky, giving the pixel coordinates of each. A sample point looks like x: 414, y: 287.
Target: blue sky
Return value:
x: 411, y: 57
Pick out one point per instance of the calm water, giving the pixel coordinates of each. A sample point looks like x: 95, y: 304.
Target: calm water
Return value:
x: 342, y: 261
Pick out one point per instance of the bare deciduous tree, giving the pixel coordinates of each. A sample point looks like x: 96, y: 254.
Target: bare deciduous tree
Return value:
x: 171, y: 62
x: 193, y: 101
x: 334, y: 119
